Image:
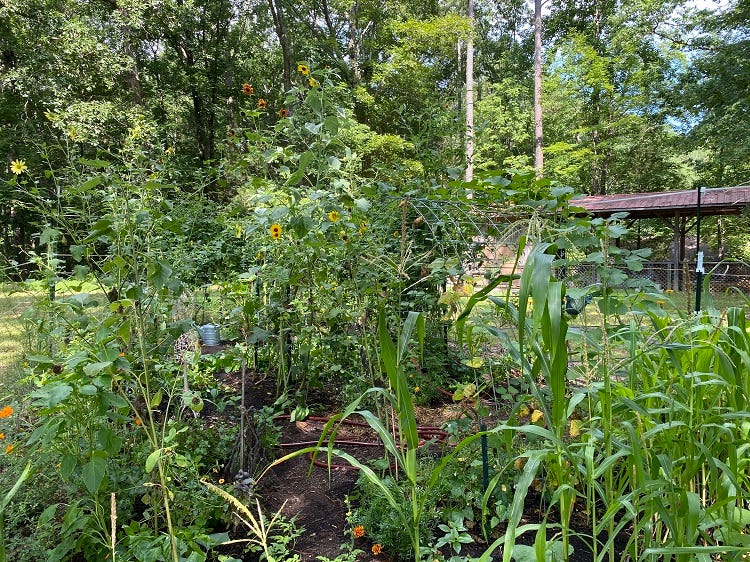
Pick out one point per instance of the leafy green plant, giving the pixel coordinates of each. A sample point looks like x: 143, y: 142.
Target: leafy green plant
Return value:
x: 271, y: 537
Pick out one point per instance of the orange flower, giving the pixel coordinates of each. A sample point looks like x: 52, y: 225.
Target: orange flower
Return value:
x: 138, y: 421
x: 9, y: 449
x: 6, y: 412
x: 283, y: 112
x: 358, y: 532
x: 262, y: 103
x: 247, y: 89
x: 377, y: 549
x: 2, y: 435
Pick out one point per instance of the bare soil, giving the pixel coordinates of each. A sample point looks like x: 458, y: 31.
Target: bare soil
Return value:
x: 314, y: 495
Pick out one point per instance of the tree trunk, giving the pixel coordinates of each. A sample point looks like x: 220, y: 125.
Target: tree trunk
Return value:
x: 470, y: 94
x: 353, y: 44
x: 132, y: 75
x: 277, y: 12
x: 538, y: 130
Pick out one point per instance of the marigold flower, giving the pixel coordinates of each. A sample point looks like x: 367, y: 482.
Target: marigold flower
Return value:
x: 6, y: 412
x: 313, y: 83
x: 377, y: 549
x: 537, y: 415
x: 333, y: 216
x: 138, y: 421
x: 523, y: 411
x: 18, y: 167
x: 283, y: 112
x: 247, y: 89
x: 262, y: 103
x: 2, y: 435
x: 358, y: 531
x: 416, y: 389
x: 275, y: 231
x: 303, y: 69
x: 9, y: 449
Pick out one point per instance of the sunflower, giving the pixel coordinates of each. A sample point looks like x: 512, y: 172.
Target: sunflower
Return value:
x: 275, y: 230
x: 333, y: 216
x: 262, y: 103
x: 283, y: 112
x: 247, y: 89
x: 18, y: 167
x: 303, y: 69
x: 313, y: 83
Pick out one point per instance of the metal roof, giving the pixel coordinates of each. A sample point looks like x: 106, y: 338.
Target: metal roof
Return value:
x: 714, y: 201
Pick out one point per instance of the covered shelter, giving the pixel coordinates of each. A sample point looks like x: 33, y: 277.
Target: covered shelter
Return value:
x: 680, y: 209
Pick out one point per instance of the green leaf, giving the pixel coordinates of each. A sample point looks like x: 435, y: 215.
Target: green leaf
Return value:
x: 332, y: 124
x: 90, y: 183
x: 51, y: 395
x: 94, y: 163
x: 68, y: 465
x: 77, y: 252
x: 93, y: 472
x: 17, y: 486
x: 95, y: 368
x: 47, y: 515
x: 88, y: 390
x: 152, y: 459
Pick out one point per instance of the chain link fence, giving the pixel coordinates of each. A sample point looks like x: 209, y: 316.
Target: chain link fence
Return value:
x: 721, y: 275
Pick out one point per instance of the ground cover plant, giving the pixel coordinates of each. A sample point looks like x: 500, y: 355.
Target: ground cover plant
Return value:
x: 629, y: 427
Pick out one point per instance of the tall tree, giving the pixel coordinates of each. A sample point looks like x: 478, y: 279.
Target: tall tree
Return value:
x: 470, y: 94
x: 538, y: 129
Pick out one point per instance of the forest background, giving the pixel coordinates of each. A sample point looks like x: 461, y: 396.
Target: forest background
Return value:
x: 638, y: 96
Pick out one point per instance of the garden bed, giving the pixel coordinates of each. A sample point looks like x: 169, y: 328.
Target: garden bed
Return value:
x: 315, y: 497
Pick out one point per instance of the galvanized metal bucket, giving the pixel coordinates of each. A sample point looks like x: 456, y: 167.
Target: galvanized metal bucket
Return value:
x: 209, y: 333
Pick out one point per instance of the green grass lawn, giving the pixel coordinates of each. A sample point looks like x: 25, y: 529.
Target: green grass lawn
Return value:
x: 12, y: 307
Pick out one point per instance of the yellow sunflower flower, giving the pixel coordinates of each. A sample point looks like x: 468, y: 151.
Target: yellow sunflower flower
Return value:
x: 303, y: 69
x: 313, y: 83
x: 275, y: 230
x: 333, y: 216
x: 247, y: 89
x: 18, y: 167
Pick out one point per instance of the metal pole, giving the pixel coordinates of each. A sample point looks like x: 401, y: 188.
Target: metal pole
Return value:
x: 699, y: 255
